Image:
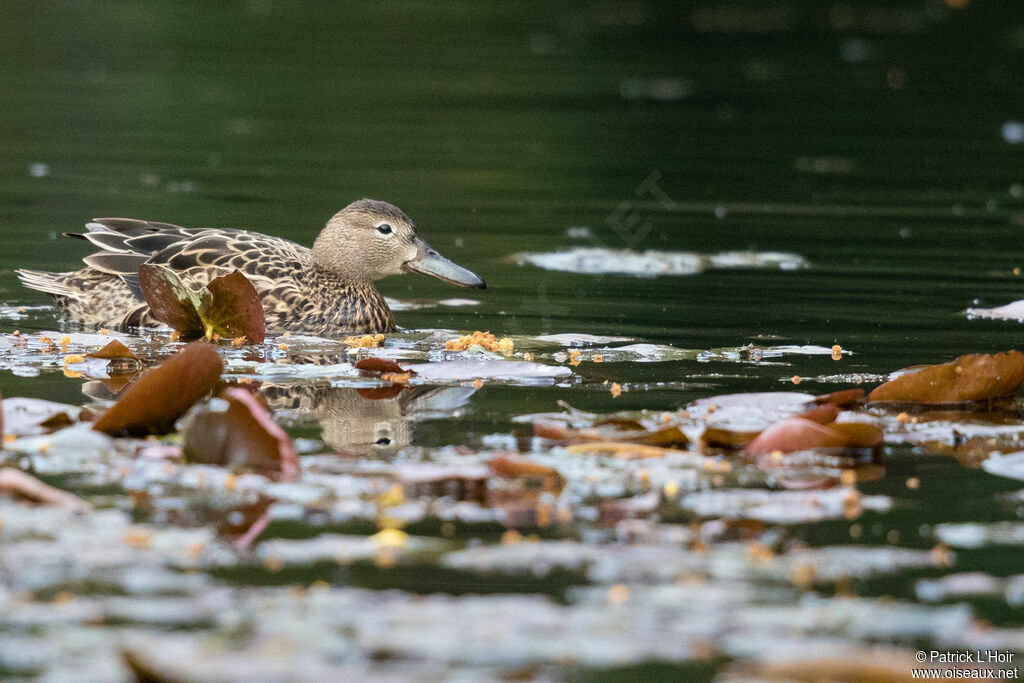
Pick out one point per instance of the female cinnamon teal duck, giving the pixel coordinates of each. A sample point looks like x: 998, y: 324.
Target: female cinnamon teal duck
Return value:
x: 327, y: 290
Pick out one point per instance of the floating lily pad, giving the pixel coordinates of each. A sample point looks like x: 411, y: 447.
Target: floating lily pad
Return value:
x: 228, y: 306
x: 159, y: 397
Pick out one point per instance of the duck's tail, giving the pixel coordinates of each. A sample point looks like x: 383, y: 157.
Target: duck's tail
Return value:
x: 54, y: 284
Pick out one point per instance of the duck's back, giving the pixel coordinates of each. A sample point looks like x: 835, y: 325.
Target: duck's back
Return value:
x: 107, y: 291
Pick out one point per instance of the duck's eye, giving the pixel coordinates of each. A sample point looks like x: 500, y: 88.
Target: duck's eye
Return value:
x: 384, y: 229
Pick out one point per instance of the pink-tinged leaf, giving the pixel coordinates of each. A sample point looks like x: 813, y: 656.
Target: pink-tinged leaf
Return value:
x: 27, y: 487
x: 975, y: 377
x: 795, y: 434
x: 235, y: 309
x: 159, y: 397
x: 242, y: 434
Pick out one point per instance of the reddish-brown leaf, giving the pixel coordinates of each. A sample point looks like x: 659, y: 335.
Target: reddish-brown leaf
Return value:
x: 974, y: 377
x: 167, y: 302
x: 152, y: 403
x: 841, y: 399
x: 242, y: 435
x: 822, y: 414
x: 235, y: 308
x: 373, y: 364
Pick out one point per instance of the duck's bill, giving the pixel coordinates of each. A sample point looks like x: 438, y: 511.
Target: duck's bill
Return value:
x: 429, y: 262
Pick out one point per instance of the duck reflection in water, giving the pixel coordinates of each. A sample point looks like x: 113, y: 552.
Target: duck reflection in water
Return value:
x: 376, y: 421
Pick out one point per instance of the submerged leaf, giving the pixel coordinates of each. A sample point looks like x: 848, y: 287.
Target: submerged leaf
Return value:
x: 160, y: 396
x: 237, y: 431
x: 974, y: 377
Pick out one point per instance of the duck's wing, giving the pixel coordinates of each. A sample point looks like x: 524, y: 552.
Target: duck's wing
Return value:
x: 197, y: 254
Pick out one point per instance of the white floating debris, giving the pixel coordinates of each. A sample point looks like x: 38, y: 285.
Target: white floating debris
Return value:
x: 1013, y: 132
x: 1011, y: 311
x: 505, y: 370
x: 652, y: 263
x: 39, y: 170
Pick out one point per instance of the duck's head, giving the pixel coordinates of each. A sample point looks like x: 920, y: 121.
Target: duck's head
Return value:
x: 369, y: 240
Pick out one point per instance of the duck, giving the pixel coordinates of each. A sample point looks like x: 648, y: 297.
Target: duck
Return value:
x: 327, y: 290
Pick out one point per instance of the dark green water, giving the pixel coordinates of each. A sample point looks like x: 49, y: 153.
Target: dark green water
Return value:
x: 879, y: 141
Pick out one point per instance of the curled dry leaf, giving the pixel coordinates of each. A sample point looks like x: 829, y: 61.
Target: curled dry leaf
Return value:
x: 229, y: 306
x: 159, y: 397
x: 237, y: 431
x: 974, y: 377
x: 29, y: 488
x: 800, y: 434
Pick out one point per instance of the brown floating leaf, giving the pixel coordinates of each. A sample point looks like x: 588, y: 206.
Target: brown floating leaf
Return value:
x: 974, y: 377
x: 383, y: 365
x: 114, y: 349
x: 241, y: 435
x: 841, y: 399
x: 235, y: 308
x: 31, y: 489
x: 800, y: 434
x: 160, y: 396
x: 229, y: 306
x: 823, y: 414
